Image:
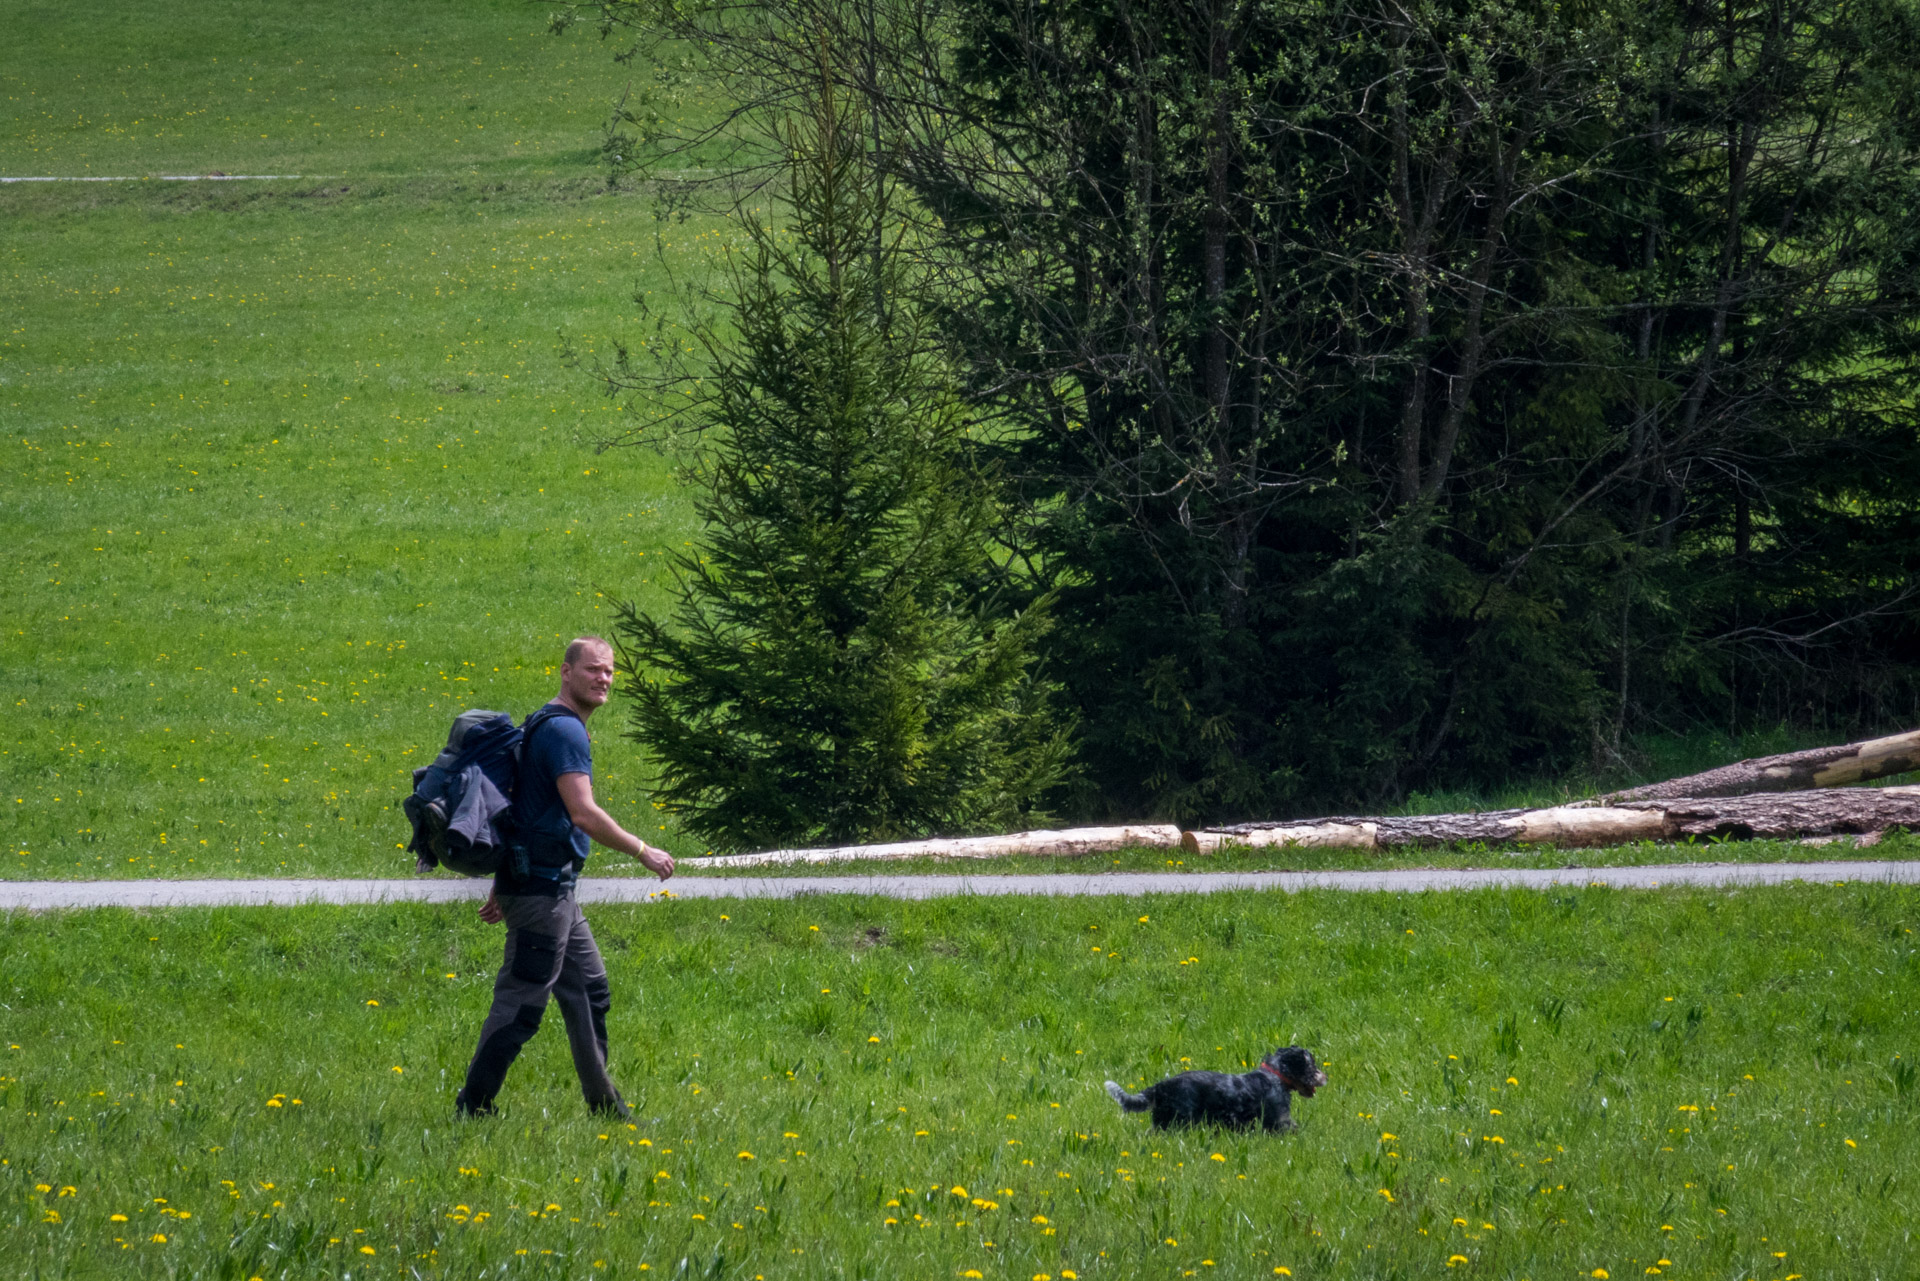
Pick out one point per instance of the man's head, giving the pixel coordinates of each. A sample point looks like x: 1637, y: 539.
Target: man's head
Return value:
x: 586, y: 673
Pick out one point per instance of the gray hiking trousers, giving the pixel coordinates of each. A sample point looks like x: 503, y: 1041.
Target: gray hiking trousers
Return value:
x: 550, y: 952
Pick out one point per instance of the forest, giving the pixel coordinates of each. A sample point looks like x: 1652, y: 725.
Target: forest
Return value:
x: 1376, y: 396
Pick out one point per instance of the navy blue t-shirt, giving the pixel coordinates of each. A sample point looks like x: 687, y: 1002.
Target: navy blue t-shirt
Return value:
x: 559, y: 745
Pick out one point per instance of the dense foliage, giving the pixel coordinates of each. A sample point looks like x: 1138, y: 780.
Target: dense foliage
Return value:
x: 835, y: 668
x: 1417, y: 394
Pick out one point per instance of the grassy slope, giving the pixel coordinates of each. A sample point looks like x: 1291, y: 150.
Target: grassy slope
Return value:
x: 294, y: 471
x: 352, y: 89
x: 1541, y: 1085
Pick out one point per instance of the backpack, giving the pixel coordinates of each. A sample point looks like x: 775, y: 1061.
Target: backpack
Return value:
x: 460, y: 807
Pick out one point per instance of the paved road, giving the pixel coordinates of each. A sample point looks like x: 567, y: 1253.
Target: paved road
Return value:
x: 33, y: 896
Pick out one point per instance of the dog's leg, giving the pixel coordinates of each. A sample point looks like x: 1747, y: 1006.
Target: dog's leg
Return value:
x: 1127, y: 1102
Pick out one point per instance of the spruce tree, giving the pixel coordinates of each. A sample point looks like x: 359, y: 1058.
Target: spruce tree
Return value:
x: 835, y: 668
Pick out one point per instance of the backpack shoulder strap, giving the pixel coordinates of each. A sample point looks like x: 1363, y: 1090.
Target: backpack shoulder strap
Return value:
x: 535, y: 719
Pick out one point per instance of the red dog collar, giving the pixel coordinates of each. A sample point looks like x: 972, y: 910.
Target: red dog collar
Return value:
x: 1275, y: 1073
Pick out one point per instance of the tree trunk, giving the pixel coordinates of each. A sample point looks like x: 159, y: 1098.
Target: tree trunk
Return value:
x: 1069, y: 843
x: 1820, y: 767
x: 1818, y: 812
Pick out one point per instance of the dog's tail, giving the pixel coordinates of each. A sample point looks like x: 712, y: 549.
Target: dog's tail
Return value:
x: 1127, y: 1102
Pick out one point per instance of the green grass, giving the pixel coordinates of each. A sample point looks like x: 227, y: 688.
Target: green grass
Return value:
x: 350, y: 89
x: 295, y: 471
x: 1540, y: 1085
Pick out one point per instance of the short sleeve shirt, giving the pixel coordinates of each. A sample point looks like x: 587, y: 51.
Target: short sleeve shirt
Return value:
x: 559, y: 746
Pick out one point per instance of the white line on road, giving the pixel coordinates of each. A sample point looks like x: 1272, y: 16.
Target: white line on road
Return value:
x: 39, y: 896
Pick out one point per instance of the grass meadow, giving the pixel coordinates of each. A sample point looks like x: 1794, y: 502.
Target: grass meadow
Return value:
x: 1589, y: 1084
x: 295, y: 470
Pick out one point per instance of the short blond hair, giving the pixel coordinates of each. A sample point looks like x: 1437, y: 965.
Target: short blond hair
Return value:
x: 581, y: 644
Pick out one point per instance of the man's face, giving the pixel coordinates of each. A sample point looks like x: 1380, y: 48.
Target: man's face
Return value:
x: 588, y: 681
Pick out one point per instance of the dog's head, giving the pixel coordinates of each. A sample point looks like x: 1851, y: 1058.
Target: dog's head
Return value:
x: 1296, y: 1069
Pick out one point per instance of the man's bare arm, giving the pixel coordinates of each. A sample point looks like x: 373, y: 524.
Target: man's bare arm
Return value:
x: 576, y: 793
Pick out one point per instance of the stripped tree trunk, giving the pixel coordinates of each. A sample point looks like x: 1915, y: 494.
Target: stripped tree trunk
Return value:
x: 1069, y: 843
x: 1819, y: 812
x: 1793, y: 771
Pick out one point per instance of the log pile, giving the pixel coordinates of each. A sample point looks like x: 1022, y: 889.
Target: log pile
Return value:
x: 1797, y: 795
x: 1792, y: 772
x: 1818, y: 812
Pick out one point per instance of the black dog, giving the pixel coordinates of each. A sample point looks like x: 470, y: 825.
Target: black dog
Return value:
x: 1215, y: 1098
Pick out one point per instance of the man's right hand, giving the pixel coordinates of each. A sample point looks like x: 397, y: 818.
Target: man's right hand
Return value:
x: 655, y: 860
x: 490, y: 911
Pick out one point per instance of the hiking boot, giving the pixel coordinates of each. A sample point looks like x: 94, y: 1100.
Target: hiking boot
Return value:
x: 462, y: 1107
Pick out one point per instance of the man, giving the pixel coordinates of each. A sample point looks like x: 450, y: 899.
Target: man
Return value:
x: 550, y: 950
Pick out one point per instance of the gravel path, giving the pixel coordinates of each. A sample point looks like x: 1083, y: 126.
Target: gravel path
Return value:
x: 36, y: 896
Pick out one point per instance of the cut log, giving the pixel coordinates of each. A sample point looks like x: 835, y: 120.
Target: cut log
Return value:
x: 1069, y: 843
x: 1828, y: 811
x: 1789, y: 772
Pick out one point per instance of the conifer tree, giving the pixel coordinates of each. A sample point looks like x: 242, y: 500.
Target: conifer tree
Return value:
x: 836, y: 666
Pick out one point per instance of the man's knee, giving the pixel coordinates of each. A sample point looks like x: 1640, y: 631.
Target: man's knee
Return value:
x: 496, y: 1054
x: 508, y: 1037
x: 599, y: 994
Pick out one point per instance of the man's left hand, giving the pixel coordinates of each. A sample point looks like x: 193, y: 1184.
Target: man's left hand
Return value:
x: 655, y: 860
